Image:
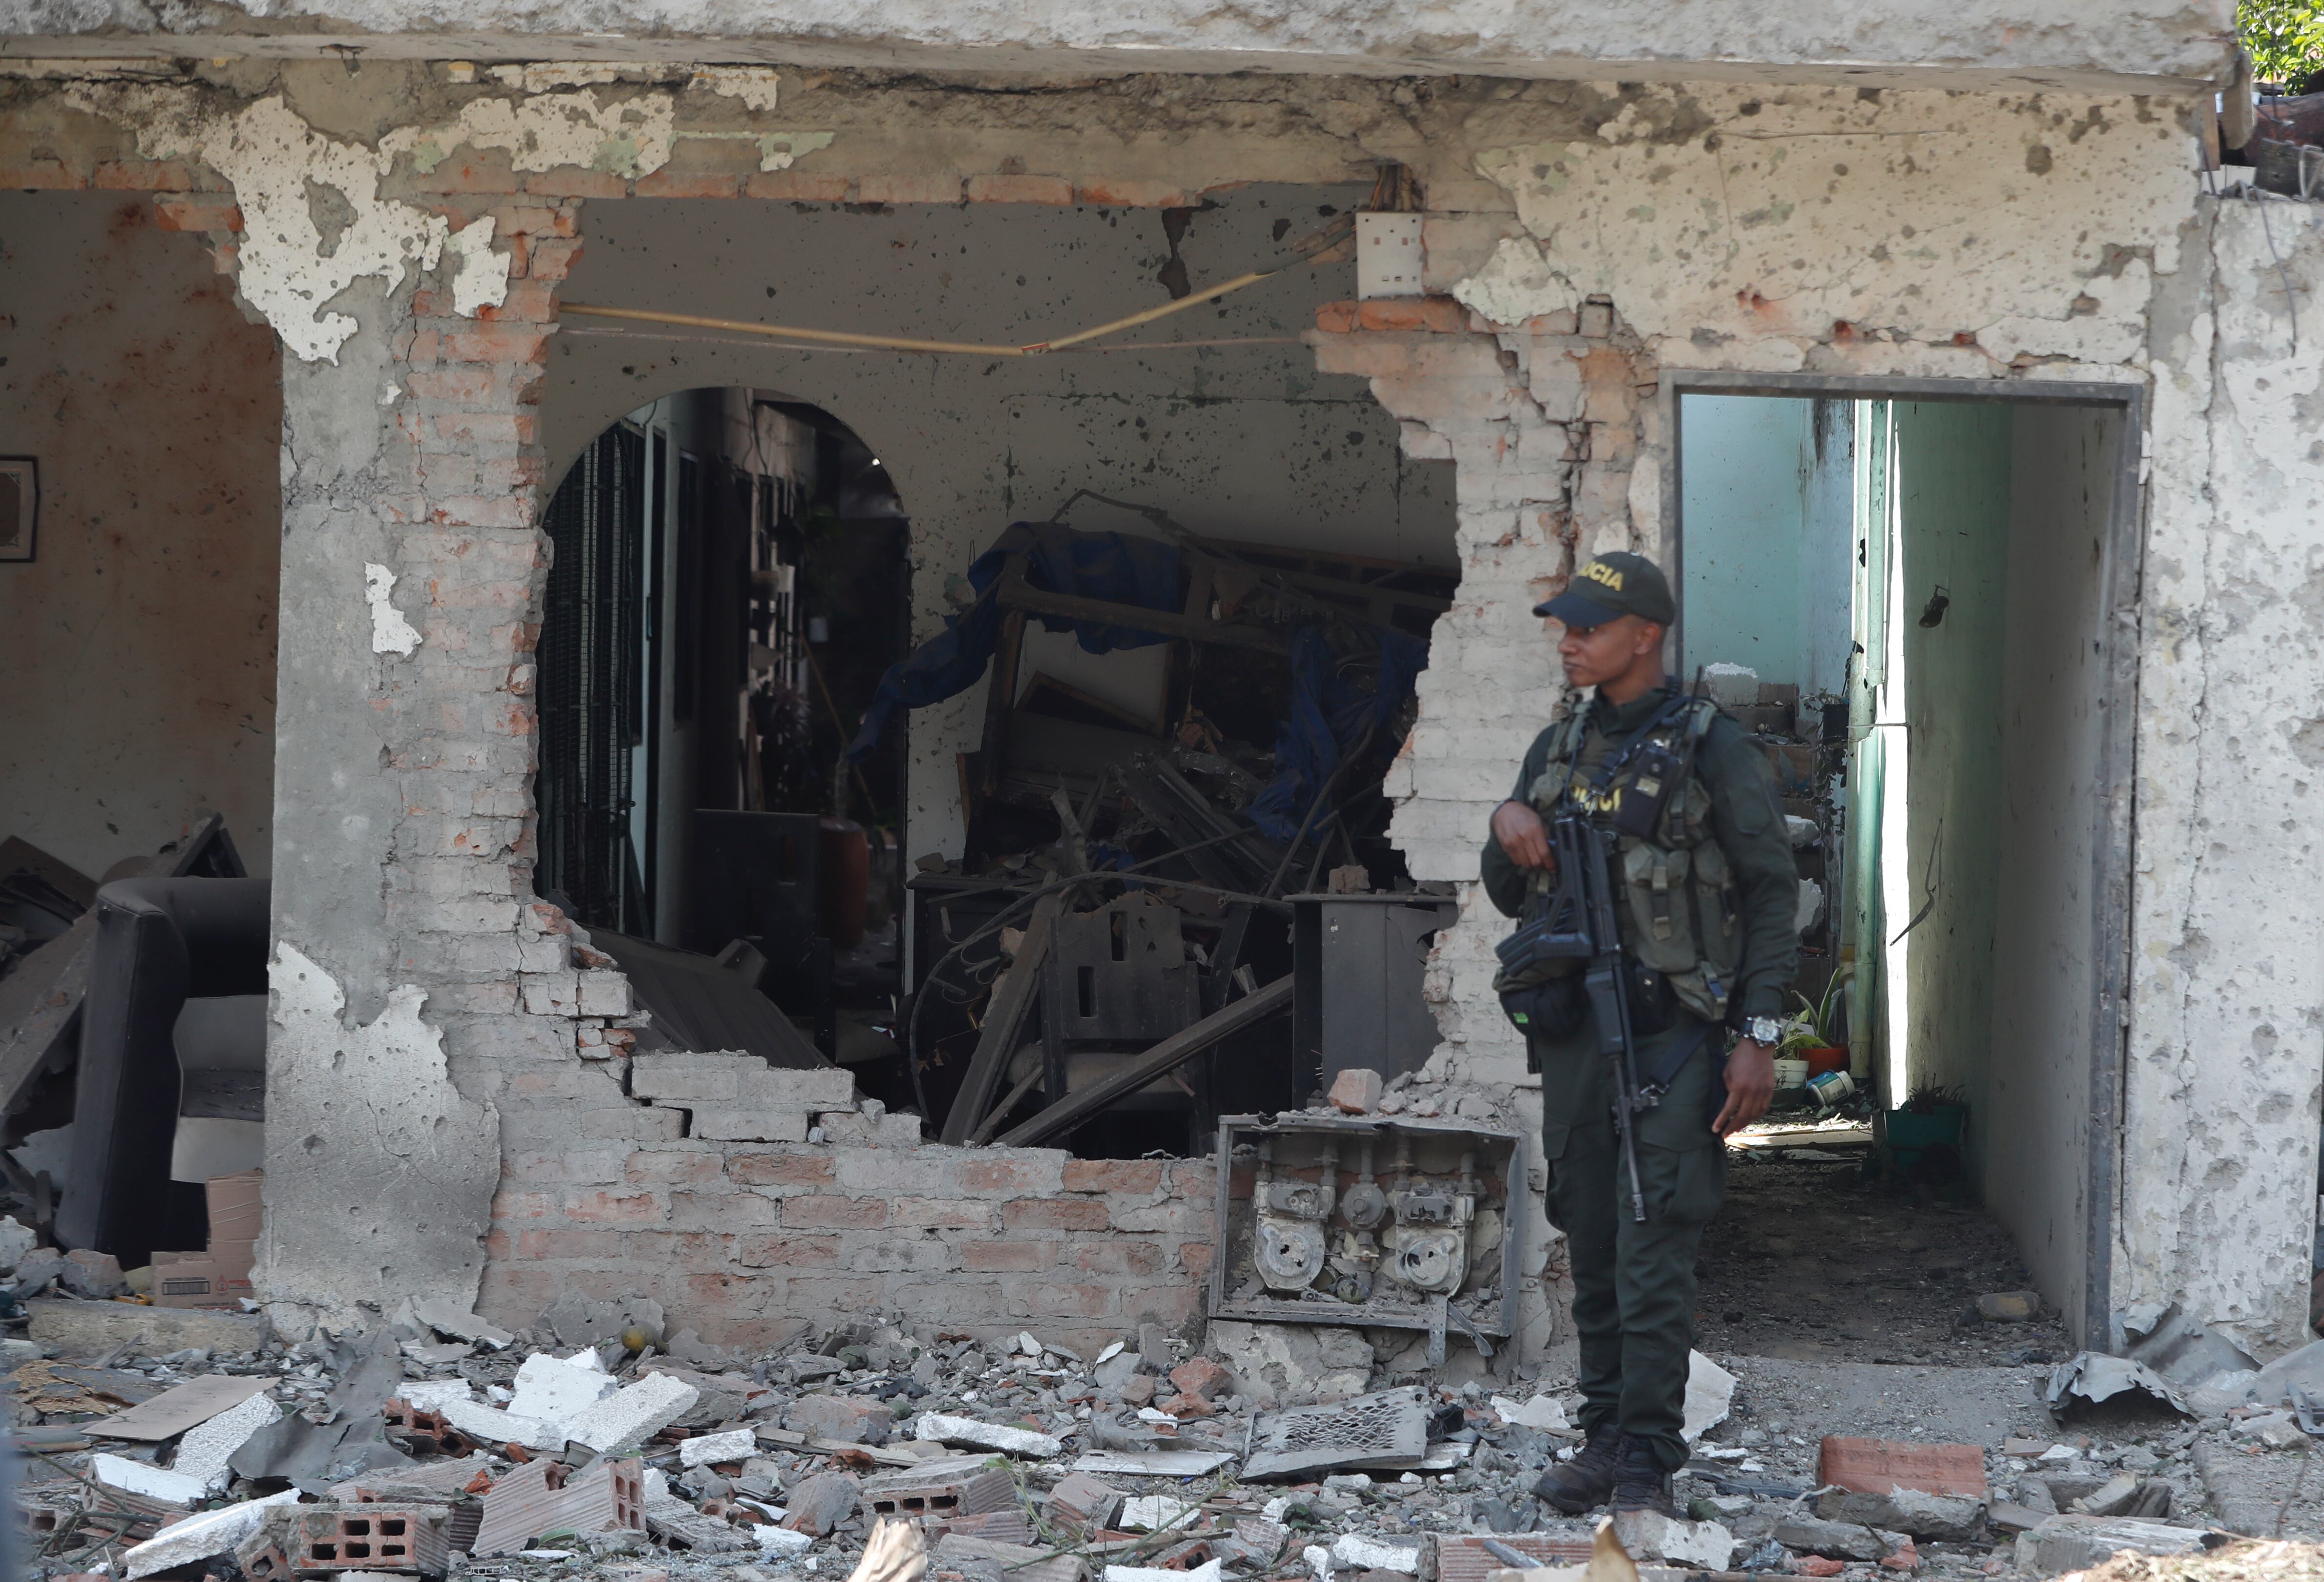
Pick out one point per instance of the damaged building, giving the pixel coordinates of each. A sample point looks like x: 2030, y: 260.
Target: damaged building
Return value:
x: 806, y: 672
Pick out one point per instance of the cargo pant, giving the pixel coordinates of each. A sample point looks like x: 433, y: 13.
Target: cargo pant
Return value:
x: 1633, y: 1286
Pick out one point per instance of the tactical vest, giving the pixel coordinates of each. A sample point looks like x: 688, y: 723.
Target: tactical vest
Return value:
x: 1683, y: 918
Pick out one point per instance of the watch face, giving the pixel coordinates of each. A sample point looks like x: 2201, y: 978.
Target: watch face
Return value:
x: 1763, y: 1030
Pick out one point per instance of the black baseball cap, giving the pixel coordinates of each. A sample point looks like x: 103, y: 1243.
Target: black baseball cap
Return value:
x: 1611, y: 585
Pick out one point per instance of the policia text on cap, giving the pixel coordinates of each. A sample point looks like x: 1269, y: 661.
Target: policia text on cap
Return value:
x: 1671, y: 812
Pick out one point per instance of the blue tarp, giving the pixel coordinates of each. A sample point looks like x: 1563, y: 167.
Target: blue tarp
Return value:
x: 1090, y: 565
x: 1330, y: 712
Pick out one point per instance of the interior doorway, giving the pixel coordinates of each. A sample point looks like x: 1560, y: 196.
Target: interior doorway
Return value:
x: 729, y: 582
x: 1904, y: 593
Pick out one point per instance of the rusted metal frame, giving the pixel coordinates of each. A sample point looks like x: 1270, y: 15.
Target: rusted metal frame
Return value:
x: 1013, y: 997
x: 1159, y: 1062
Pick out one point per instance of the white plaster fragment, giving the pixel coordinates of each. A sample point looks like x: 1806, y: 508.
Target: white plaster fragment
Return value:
x: 622, y: 135
x: 733, y: 1445
x: 1514, y: 284
x: 202, y: 1535
x: 627, y: 1418
x: 480, y: 277
x: 755, y: 86
x: 778, y: 151
x: 203, y: 1452
x: 555, y: 1391
x: 143, y: 1478
x: 390, y: 632
x: 285, y: 175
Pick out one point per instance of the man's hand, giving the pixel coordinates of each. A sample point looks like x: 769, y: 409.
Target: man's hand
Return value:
x: 1751, y: 1085
x: 1523, y: 838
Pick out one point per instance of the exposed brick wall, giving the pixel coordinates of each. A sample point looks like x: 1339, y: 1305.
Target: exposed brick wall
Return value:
x: 750, y: 1242
x: 1551, y: 426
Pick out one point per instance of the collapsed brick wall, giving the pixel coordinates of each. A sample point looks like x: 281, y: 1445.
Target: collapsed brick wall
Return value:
x: 751, y: 1243
x: 1554, y: 429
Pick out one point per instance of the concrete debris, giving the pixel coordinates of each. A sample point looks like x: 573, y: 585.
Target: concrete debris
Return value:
x: 1649, y: 1535
x: 1923, y: 1515
x: 1010, y: 1474
x: 2090, y: 1378
x: 985, y: 1436
x: 2072, y: 1543
x: 1710, y: 1391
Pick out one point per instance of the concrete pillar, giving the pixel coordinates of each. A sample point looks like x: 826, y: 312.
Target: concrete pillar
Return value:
x: 416, y: 980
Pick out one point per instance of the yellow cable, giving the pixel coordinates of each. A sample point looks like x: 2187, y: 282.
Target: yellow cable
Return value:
x: 1308, y: 250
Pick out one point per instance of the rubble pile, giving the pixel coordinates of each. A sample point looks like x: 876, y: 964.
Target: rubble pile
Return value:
x: 441, y: 1445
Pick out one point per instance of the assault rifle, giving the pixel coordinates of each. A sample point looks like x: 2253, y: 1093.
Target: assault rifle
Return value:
x: 1579, y: 922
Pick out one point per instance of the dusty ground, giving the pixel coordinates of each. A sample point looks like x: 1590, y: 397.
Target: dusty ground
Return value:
x: 1811, y: 1261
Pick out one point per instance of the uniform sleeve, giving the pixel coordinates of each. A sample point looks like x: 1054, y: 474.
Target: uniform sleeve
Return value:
x: 1748, y: 821
x: 1505, y: 881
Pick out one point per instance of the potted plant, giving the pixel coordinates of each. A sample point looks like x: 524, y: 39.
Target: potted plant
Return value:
x: 1813, y: 1032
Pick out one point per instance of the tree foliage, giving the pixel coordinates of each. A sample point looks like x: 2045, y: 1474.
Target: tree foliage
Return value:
x: 2285, y: 38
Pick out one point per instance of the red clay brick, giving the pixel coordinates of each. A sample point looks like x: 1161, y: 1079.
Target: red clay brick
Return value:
x: 1335, y: 318
x: 1194, y: 1177
x: 1035, y: 1298
x: 1007, y: 1257
x: 488, y: 171
x: 549, y: 259
x: 920, y: 189
x: 495, y: 343
x: 999, y: 1175
x: 1134, y: 195
x: 1114, y: 1257
x: 1877, y: 1465
x: 469, y: 383
x: 1053, y: 1214
x: 999, y: 189
x: 1194, y: 1257
x: 44, y: 175
x: 570, y: 1244
x: 838, y: 1213
x: 603, y: 1207
x: 572, y: 181
x: 528, y: 301
x: 513, y: 1206
x: 513, y: 220
x: 808, y: 1294
x: 668, y: 183
x: 797, y: 186
x: 1439, y: 315
x: 144, y: 176
x: 944, y: 1213
x: 1113, y: 1175
x: 793, y: 1252
x: 650, y: 1166
x: 781, y: 1169
x: 199, y: 212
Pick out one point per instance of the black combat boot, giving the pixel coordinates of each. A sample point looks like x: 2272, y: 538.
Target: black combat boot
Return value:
x: 1640, y: 1483
x: 1583, y: 1482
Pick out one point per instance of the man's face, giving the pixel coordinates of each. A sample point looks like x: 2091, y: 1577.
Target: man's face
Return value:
x: 1595, y: 654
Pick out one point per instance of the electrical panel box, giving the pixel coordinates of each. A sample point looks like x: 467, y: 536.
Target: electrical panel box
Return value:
x: 1387, y: 255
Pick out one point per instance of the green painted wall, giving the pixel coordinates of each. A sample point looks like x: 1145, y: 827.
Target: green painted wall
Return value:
x: 1952, y: 483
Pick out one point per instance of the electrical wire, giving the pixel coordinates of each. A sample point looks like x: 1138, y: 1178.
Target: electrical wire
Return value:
x: 1306, y: 251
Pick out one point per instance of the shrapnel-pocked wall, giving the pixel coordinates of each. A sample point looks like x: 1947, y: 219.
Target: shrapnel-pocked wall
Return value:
x: 404, y: 230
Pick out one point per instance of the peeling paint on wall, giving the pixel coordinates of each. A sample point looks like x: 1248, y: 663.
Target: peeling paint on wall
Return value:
x: 402, y: 1214
x: 390, y: 632
x: 622, y: 136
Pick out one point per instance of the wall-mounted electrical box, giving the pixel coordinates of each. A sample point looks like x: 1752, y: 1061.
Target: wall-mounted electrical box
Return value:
x: 1387, y: 255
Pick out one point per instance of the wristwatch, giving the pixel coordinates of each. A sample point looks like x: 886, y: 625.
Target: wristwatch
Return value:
x: 1763, y: 1030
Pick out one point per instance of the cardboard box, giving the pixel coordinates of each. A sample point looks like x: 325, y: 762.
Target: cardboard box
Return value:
x: 201, y: 1279
x: 234, y: 1204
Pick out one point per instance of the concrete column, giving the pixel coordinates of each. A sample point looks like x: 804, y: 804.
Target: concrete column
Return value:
x: 416, y: 980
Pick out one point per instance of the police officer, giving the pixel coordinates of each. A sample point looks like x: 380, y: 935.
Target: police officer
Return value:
x: 1706, y: 900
